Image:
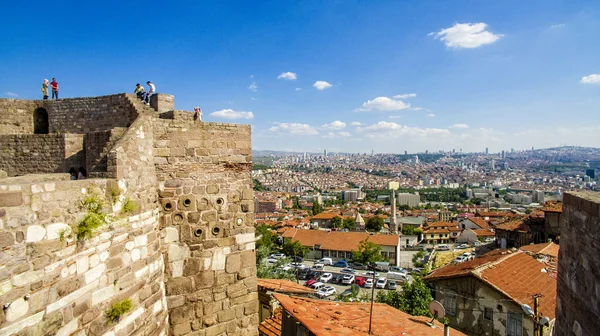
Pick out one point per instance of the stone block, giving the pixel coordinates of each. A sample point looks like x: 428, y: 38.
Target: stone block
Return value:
x: 193, y: 217
x: 226, y: 315
x: 212, y: 189
x: 68, y: 287
x: 181, y: 329
x: 248, y: 258
x: 209, y: 216
x: 247, y: 194
x: 35, y: 233
x: 205, y: 279
x: 16, y: 310
x: 6, y: 239
x: 193, y: 266
x: 212, y: 307
x: 233, y: 263
x: 11, y: 199
x: 183, y: 314
x: 53, y: 231
x: 179, y: 286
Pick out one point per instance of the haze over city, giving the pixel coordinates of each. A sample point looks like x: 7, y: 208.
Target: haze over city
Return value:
x: 345, y: 76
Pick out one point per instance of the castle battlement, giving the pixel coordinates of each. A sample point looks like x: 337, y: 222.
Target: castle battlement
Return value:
x: 178, y: 236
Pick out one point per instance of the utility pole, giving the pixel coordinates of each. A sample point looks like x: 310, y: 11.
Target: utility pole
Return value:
x: 538, y: 329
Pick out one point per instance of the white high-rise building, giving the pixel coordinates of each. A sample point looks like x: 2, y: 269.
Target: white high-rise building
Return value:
x: 416, y: 159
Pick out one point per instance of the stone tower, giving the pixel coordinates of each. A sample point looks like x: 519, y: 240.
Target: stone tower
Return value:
x: 393, y: 222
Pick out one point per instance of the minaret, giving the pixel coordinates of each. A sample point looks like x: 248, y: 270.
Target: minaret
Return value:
x: 393, y: 223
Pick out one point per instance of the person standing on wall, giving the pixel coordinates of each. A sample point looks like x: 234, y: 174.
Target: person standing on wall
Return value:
x: 151, y: 91
x: 139, y: 91
x: 45, y: 89
x: 197, y: 114
x: 54, y: 86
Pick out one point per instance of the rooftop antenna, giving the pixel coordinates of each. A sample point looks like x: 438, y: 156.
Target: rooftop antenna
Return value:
x: 437, y: 310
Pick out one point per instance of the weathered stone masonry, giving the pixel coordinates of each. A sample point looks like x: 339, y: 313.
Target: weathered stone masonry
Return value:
x: 185, y: 257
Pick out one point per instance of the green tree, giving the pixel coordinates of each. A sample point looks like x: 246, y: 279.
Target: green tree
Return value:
x: 336, y: 222
x: 368, y: 252
x: 316, y: 208
x: 296, y: 202
x: 349, y: 223
x: 414, y: 298
x: 265, y: 236
x: 294, y: 249
x: 374, y: 224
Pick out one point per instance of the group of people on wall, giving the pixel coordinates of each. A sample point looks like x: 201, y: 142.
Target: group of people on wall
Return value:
x: 142, y: 94
x: 53, y: 86
x: 78, y: 174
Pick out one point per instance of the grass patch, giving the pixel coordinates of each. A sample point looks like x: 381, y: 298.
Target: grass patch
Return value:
x: 94, y: 218
x: 129, y: 207
x: 118, y: 309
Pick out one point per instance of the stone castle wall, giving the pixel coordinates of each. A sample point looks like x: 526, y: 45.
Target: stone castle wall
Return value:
x: 185, y: 256
x: 578, y: 288
x: 207, y: 201
x: 22, y: 154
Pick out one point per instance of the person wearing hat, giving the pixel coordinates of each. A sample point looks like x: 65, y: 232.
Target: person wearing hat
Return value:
x: 45, y: 89
x: 139, y: 91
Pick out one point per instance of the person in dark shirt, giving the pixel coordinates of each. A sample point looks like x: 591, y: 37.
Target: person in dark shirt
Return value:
x: 54, y: 86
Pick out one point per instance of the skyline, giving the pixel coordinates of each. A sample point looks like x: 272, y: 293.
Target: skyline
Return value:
x: 345, y: 76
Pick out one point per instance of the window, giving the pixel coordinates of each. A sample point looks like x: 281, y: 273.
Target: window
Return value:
x: 325, y: 253
x: 393, y: 255
x: 450, y: 304
x: 348, y: 255
x: 384, y: 255
x: 514, y: 324
x: 488, y: 314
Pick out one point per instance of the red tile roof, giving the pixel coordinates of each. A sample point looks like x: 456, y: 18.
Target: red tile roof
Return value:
x: 549, y: 248
x: 283, y: 286
x: 326, y: 216
x: 484, y: 233
x: 329, y: 318
x: 495, y: 214
x: 337, y: 240
x: 552, y: 207
x: 517, y: 225
x: 516, y: 275
x: 480, y: 222
x: 442, y: 224
x: 272, y: 325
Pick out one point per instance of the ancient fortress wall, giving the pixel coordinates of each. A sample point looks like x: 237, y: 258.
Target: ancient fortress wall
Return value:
x: 179, y: 238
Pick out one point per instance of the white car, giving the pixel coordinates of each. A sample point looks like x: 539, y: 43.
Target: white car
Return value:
x: 277, y: 256
x: 326, y: 291
x: 381, y: 282
x: 462, y: 246
x: 370, y: 274
x: 286, y: 268
x: 297, y: 265
x: 325, y: 261
x: 489, y: 240
x: 348, y: 279
x: 318, y: 266
x: 460, y: 259
x: 326, y: 277
x: 317, y: 285
x: 369, y: 283
x: 348, y: 270
x: 398, y: 269
x: 271, y: 261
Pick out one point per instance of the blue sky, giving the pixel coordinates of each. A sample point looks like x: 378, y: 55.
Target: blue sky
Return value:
x: 354, y: 76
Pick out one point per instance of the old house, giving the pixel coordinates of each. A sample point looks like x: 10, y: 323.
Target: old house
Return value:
x: 484, y: 296
x: 552, y: 215
x: 268, y: 287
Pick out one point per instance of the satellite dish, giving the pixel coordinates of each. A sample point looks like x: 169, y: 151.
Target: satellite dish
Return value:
x: 436, y: 309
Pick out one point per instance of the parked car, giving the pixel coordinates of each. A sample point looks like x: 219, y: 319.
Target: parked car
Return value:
x: 277, y: 256
x: 347, y: 270
x: 325, y: 277
x: 391, y: 285
x: 477, y: 243
x: 348, y: 279
x: 318, y: 266
x: 462, y: 246
x: 369, y: 283
x: 340, y: 263
x: 358, y: 266
x: 271, y: 261
x: 380, y: 266
x: 313, y: 274
x: 371, y: 273
x: 489, y: 239
x: 416, y: 271
x: 317, y: 285
x: 297, y: 265
x: 337, y: 278
x: 298, y: 259
x: 325, y: 261
x: 286, y: 268
x: 398, y: 269
x: 443, y: 247
x: 309, y: 282
x: 348, y: 292
x: 397, y: 276
x: 303, y: 273
x: 460, y: 259
x: 359, y: 281
x: 381, y: 282
x: 326, y: 291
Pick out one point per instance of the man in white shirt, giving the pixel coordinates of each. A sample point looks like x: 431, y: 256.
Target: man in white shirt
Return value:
x: 151, y: 91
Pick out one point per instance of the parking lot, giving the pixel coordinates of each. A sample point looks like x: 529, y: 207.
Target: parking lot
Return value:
x: 341, y: 287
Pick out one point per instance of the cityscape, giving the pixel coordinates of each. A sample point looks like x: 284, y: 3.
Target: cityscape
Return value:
x: 300, y: 168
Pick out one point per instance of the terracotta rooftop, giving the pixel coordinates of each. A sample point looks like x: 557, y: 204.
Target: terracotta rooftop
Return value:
x: 283, y: 286
x: 337, y: 240
x: 482, y: 223
x: 484, y: 233
x: 514, y: 225
x: 441, y: 224
x: 326, y: 215
x: 516, y: 275
x: 549, y: 248
x: 552, y: 207
x: 272, y: 325
x: 329, y: 318
x: 495, y: 214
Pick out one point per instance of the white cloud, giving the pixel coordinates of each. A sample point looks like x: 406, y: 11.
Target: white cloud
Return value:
x: 560, y: 25
x: 253, y: 87
x: 11, y: 94
x: 332, y: 135
x: 252, y: 98
x: 406, y: 95
x: 457, y: 126
x: 298, y: 89
x: 466, y: 35
x: 356, y: 123
x: 383, y: 104
x: 321, y: 85
x: 431, y: 115
x: 336, y: 125
x: 390, y: 129
x: 288, y: 76
x: 293, y: 128
x: 591, y: 79
x: 231, y: 114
